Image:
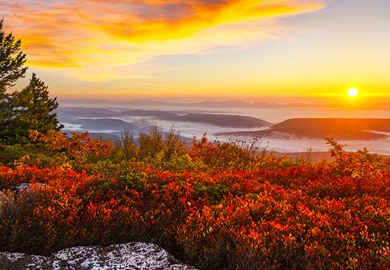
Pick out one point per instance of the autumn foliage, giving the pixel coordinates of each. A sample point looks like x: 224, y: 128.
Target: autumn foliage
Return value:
x: 214, y: 205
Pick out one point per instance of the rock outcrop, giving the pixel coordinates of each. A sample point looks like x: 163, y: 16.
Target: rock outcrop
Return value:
x: 137, y: 256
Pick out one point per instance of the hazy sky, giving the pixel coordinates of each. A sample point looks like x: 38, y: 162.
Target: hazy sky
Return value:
x: 200, y: 48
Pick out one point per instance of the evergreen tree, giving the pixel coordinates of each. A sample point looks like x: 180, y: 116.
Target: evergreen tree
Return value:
x: 31, y: 108
x: 23, y: 110
x: 12, y: 61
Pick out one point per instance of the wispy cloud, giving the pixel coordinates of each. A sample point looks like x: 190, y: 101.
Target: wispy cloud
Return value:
x: 88, y: 37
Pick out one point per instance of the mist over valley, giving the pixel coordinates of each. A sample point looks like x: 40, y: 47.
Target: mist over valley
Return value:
x: 286, y: 129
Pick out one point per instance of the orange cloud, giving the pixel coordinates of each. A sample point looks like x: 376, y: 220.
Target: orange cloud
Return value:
x: 86, y: 35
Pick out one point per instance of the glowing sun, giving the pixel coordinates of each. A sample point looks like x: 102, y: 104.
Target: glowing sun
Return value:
x: 353, y: 92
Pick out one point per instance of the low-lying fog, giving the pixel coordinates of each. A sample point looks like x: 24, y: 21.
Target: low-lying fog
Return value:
x: 112, y: 121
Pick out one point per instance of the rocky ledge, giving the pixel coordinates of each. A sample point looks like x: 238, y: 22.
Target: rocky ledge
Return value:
x: 131, y: 256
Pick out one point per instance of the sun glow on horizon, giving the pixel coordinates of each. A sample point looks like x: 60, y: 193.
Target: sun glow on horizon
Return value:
x: 353, y: 92
x: 198, y: 48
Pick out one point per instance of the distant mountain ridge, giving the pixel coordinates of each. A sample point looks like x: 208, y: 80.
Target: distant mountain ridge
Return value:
x: 104, y: 124
x: 103, y: 120
x: 92, y: 118
x: 319, y: 128
x: 224, y: 104
x: 110, y: 124
x: 222, y: 120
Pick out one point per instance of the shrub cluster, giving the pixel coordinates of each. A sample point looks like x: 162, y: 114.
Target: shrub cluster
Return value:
x: 214, y: 205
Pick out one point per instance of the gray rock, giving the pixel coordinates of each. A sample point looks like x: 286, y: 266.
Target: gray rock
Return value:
x: 20, y: 187
x: 19, y: 261
x: 137, y: 256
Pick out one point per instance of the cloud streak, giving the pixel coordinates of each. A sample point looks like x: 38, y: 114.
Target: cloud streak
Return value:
x: 85, y: 36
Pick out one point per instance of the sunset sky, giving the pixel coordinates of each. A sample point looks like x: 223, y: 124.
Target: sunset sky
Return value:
x: 204, y: 48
